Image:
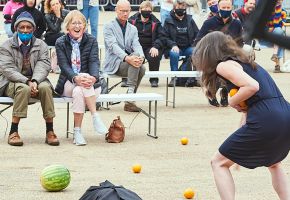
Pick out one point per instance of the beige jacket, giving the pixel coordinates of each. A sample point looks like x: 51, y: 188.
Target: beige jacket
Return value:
x: 11, y: 61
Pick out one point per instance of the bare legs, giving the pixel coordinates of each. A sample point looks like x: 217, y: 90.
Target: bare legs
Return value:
x: 223, y: 177
x: 279, y: 181
x: 225, y: 183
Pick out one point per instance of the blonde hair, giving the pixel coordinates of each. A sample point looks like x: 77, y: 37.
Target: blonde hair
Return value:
x: 47, y: 6
x: 68, y: 19
x: 146, y: 4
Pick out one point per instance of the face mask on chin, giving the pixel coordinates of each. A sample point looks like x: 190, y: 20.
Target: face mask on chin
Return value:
x: 180, y: 12
x: 24, y: 37
x: 225, y: 13
x: 214, y: 8
x: 145, y: 13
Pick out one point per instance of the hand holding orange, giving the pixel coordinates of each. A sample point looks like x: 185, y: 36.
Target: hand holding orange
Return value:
x: 188, y: 193
x: 136, y: 168
x: 242, y: 104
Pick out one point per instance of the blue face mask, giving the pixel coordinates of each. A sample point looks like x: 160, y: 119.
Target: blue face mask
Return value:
x: 225, y: 13
x: 214, y: 8
x: 25, y: 37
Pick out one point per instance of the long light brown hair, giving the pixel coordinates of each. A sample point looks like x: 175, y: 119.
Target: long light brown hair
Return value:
x: 212, y: 49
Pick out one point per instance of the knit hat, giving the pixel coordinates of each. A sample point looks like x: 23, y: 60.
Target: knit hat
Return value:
x: 245, y: 1
x: 24, y: 16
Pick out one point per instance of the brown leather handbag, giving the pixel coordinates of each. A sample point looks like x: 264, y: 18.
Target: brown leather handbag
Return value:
x: 116, y: 132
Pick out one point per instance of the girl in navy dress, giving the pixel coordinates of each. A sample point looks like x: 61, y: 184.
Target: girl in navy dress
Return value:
x: 264, y: 137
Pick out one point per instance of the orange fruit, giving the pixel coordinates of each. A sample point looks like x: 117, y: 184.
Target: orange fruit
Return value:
x: 184, y: 141
x: 242, y: 104
x: 136, y: 168
x: 188, y: 193
x: 233, y: 92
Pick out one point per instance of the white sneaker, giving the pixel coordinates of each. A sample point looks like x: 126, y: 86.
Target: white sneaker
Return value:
x: 79, y: 140
x: 99, y: 126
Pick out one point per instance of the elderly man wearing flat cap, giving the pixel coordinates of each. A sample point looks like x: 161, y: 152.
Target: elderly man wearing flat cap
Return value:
x: 24, y: 67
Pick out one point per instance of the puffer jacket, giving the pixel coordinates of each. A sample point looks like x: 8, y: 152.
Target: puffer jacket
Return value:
x: 90, y: 62
x: 11, y: 61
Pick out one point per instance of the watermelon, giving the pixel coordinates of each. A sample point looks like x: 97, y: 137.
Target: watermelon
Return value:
x: 55, y: 178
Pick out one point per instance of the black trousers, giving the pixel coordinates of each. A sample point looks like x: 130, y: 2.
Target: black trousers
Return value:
x: 154, y: 62
x: 50, y: 39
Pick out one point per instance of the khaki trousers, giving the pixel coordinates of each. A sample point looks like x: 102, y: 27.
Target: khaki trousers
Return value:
x: 20, y: 92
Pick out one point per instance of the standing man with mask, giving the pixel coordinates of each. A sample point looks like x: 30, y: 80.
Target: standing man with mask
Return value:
x: 151, y: 37
x: 180, y: 32
x: 24, y: 67
x: 29, y: 6
x: 225, y: 23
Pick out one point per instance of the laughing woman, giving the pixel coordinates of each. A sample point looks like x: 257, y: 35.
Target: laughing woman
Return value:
x: 77, y: 54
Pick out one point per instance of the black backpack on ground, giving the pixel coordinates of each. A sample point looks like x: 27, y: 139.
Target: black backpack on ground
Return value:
x: 108, y: 191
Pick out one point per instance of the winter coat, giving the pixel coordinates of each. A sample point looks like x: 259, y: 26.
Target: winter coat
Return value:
x: 37, y: 16
x: 158, y: 39
x: 170, y: 30
x: 89, y: 59
x: 11, y: 61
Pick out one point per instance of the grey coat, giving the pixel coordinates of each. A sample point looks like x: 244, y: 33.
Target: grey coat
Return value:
x: 115, y: 45
x: 11, y: 61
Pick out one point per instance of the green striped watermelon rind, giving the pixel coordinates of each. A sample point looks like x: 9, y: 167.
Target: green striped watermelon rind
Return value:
x: 50, y: 179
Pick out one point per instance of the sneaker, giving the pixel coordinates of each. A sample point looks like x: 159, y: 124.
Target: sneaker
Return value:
x: 51, y: 139
x: 131, y: 107
x: 79, y: 140
x: 15, y: 140
x: 275, y: 58
x: 99, y: 126
x: 277, y: 69
x: 224, y: 97
x: 154, y: 84
x: 124, y: 82
x: 214, y: 102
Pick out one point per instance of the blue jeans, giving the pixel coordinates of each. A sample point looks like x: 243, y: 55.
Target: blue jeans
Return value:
x: 91, y: 13
x: 163, y: 15
x: 7, y: 28
x: 277, y: 31
x: 174, y: 57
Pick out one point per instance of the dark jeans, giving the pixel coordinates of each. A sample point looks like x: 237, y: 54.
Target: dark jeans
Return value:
x: 154, y: 62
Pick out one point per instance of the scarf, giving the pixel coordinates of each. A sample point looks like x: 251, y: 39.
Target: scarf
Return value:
x: 75, y: 56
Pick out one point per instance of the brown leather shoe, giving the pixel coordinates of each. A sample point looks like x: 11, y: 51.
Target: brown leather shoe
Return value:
x: 14, y: 139
x: 131, y: 107
x: 51, y: 139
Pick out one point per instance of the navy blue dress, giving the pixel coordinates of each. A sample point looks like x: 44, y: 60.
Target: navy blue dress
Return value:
x: 265, y: 138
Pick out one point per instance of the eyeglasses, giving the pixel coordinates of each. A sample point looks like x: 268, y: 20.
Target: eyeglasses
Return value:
x: 124, y: 11
x: 75, y: 24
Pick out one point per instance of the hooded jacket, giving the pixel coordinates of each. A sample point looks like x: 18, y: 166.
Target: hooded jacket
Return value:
x: 89, y: 59
x: 158, y: 39
x: 37, y: 16
x: 170, y: 29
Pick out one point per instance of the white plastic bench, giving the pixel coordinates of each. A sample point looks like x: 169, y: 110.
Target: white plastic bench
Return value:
x: 150, y: 97
x: 162, y: 74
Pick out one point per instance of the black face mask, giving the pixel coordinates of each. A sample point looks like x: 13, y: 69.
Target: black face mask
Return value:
x: 180, y: 12
x: 145, y: 13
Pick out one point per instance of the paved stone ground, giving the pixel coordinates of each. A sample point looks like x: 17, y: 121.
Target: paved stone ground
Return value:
x: 168, y: 167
